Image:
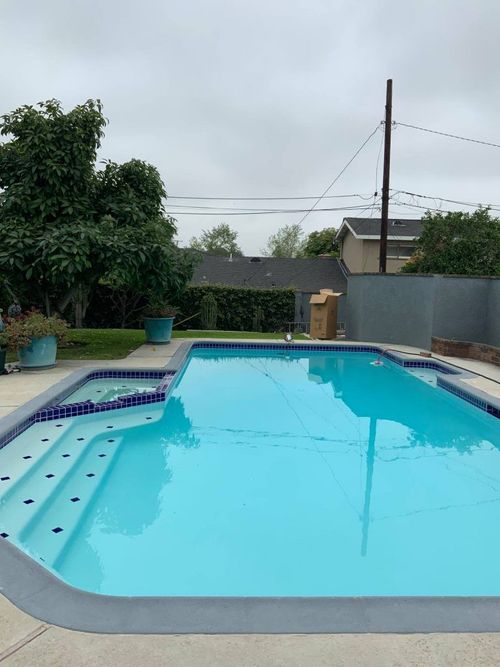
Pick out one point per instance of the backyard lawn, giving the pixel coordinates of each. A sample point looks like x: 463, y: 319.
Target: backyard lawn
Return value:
x: 118, y: 343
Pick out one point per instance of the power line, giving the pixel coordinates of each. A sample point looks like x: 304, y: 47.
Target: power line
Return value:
x: 339, y: 175
x: 364, y: 196
x: 447, y: 134
x: 449, y: 201
x: 238, y: 209
x: 416, y: 206
x: 271, y: 211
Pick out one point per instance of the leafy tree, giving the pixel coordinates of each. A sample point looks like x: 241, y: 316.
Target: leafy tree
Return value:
x: 320, y: 243
x: 287, y: 242
x: 220, y: 240
x: 458, y: 242
x: 65, y: 227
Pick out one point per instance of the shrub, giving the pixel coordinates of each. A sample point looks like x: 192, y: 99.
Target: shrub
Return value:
x: 239, y: 308
x: 19, y: 331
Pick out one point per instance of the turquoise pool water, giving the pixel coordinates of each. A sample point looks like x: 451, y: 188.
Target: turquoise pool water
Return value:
x: 108, y: 389
x: 299, y: 474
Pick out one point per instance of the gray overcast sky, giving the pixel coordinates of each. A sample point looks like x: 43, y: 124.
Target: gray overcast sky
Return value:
x: 270, y: 98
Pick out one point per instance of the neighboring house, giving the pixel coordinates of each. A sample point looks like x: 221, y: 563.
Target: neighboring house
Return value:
x: 305, y: 276
x: 359, y: 242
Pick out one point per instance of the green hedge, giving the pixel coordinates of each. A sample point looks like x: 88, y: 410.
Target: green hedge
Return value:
x: 240, y: 308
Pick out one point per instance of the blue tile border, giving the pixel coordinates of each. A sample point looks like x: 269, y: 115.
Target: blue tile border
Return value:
x: 62, y: 411
x: 470, y: 396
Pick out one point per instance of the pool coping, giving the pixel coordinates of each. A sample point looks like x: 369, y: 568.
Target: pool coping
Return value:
x: 38, y: 592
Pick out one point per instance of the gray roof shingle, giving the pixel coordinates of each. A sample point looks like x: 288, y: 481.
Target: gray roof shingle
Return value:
x: 371, y: 227
x: 305, y: 275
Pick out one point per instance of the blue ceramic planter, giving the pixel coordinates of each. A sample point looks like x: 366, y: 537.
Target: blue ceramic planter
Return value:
x: 40, y: 354
x: 158, y: 329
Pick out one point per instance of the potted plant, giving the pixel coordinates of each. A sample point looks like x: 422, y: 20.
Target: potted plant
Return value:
x: 158, y: 321
x: 35, y: 338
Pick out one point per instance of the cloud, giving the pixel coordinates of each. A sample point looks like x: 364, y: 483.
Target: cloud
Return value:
x: 269, y: 98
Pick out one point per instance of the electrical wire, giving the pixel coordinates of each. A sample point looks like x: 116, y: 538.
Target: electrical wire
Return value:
x: 417, y: 206
x: 271, y: 212
x: 447, y: 134
x: 376, y: 173
x: 495, y: 207
x: 239, y: 209
x: 364, y: 196
x: 339, y: 174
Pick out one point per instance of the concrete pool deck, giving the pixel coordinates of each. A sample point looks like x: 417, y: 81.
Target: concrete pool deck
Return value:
x: 27, y: 641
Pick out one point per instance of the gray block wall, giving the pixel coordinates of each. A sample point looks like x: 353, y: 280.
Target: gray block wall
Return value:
x: 493, y: 335
x: 410, y: 309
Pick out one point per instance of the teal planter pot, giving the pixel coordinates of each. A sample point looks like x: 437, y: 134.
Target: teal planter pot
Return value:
x: 40, y: 354
x: 158, y: 329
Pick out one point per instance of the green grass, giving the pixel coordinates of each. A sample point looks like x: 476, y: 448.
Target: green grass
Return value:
x: 118, y: 343
x: 101, y: 343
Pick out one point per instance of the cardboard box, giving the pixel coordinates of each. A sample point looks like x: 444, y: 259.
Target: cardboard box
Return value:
x: 324, y: 314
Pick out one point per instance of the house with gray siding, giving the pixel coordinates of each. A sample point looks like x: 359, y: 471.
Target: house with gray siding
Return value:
x: 359, y: 243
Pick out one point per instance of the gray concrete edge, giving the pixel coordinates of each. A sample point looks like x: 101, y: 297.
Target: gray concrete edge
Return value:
x: 38, y: 592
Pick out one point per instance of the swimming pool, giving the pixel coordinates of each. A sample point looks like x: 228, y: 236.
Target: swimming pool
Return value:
x: 267, y: 473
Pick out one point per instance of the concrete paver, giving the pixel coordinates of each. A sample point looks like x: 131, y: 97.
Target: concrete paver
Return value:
x: 14, y: 624
x: 59, y: 648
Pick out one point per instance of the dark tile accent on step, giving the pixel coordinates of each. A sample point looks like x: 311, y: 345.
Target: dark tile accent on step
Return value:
x: 57, y: 529
x: 75, y: 499
x: 50, y: 475
x: 28, y: 501
x: 90, y: 474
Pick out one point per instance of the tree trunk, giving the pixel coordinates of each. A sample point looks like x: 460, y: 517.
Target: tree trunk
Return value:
x: 46, y: 301
x: 64, y: 302
x: 81, y: 304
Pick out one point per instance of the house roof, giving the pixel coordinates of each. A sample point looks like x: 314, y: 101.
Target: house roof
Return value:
x: 305, y: 275
x: 403, y: 229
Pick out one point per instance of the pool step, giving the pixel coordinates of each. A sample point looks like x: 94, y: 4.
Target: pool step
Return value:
x: 42, y: 466
x: 40, y: 489
x: 50, y: 529
x: 35, y: 455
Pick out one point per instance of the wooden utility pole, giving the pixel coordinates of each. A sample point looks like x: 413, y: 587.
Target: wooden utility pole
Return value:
x: 385, y: 180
